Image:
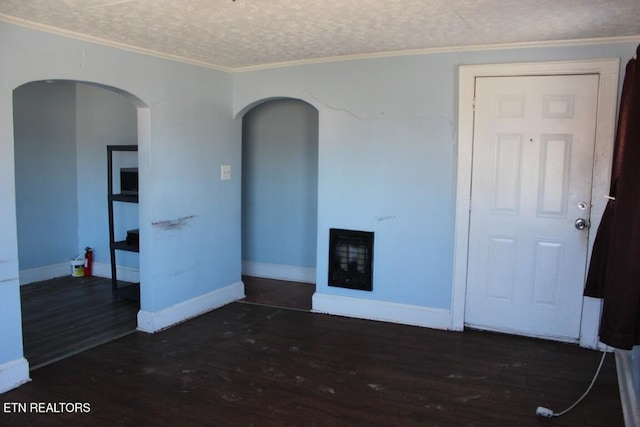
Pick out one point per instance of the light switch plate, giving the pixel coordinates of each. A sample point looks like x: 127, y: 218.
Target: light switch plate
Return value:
x: 225, y: 172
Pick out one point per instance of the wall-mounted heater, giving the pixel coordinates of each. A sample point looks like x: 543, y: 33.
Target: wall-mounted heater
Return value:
x: 351, y: 259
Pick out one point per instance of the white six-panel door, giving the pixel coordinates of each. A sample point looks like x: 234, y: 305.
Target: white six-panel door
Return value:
x: 533, y: 154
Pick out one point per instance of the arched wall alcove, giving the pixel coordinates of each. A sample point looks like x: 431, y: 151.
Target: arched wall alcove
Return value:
x: 280, y: 189
x: 241, y: 112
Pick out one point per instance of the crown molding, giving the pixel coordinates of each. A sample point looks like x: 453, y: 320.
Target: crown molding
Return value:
x: 109, y: 43
x: 447, y: 49
x: 243, y: 69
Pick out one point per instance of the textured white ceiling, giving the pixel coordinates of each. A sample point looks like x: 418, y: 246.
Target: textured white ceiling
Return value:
x: 241, y: 34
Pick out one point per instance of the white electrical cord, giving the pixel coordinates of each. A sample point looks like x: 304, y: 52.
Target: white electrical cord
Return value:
x: 548, y: 413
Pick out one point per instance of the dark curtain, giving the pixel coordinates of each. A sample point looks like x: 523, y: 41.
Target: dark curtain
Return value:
x: 614, y: 270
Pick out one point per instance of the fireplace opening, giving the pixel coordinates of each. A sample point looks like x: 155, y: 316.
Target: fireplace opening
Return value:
x: 351, y: 259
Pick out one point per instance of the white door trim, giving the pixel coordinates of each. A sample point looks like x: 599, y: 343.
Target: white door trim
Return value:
x: 608, y: 71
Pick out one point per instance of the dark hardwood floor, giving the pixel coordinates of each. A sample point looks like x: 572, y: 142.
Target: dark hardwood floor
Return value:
x: 278, y: 293
x: 64, y: 316
x: 250, y: 365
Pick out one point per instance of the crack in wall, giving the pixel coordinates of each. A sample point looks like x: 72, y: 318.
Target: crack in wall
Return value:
x: 307, y: 93
x: 331, y: 107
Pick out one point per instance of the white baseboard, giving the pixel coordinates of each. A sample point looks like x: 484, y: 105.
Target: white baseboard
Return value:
x: 158, y: 320
x: 47, y: 272
x: 100, y: 269
x: 290, y: 273
x: 628, y: 367
x: 14, y: 374
x: 383, y: 311
x: 126, y: 274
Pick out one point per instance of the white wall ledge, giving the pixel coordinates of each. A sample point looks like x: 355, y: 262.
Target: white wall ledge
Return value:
x: 13, y: 374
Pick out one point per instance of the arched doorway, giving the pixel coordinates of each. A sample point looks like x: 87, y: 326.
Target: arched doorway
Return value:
x: 61, y: 129
x: 279, y: 202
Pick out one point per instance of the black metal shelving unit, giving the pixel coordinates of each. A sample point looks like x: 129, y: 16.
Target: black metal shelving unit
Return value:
x: 131, y: 291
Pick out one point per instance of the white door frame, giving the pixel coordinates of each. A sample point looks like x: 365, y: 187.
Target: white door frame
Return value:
x: 608, y: 71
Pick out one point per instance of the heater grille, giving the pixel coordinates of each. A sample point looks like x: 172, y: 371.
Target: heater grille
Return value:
x: 351, y: 259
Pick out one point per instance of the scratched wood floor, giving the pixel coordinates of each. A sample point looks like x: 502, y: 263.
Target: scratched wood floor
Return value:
x: 66, y: 315
x: 251, y: 365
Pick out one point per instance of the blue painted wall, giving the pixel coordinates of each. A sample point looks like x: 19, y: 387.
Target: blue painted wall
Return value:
x: 280, y: 183
x: 386, y: 161
x: 46, y: 173
x: 387, y: 156
x: 62, y: 129
x: 192, y: 133
x: 104, y: 117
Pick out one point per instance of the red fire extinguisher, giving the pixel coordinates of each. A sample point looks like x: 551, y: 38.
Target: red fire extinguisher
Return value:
x: 88, y: 260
